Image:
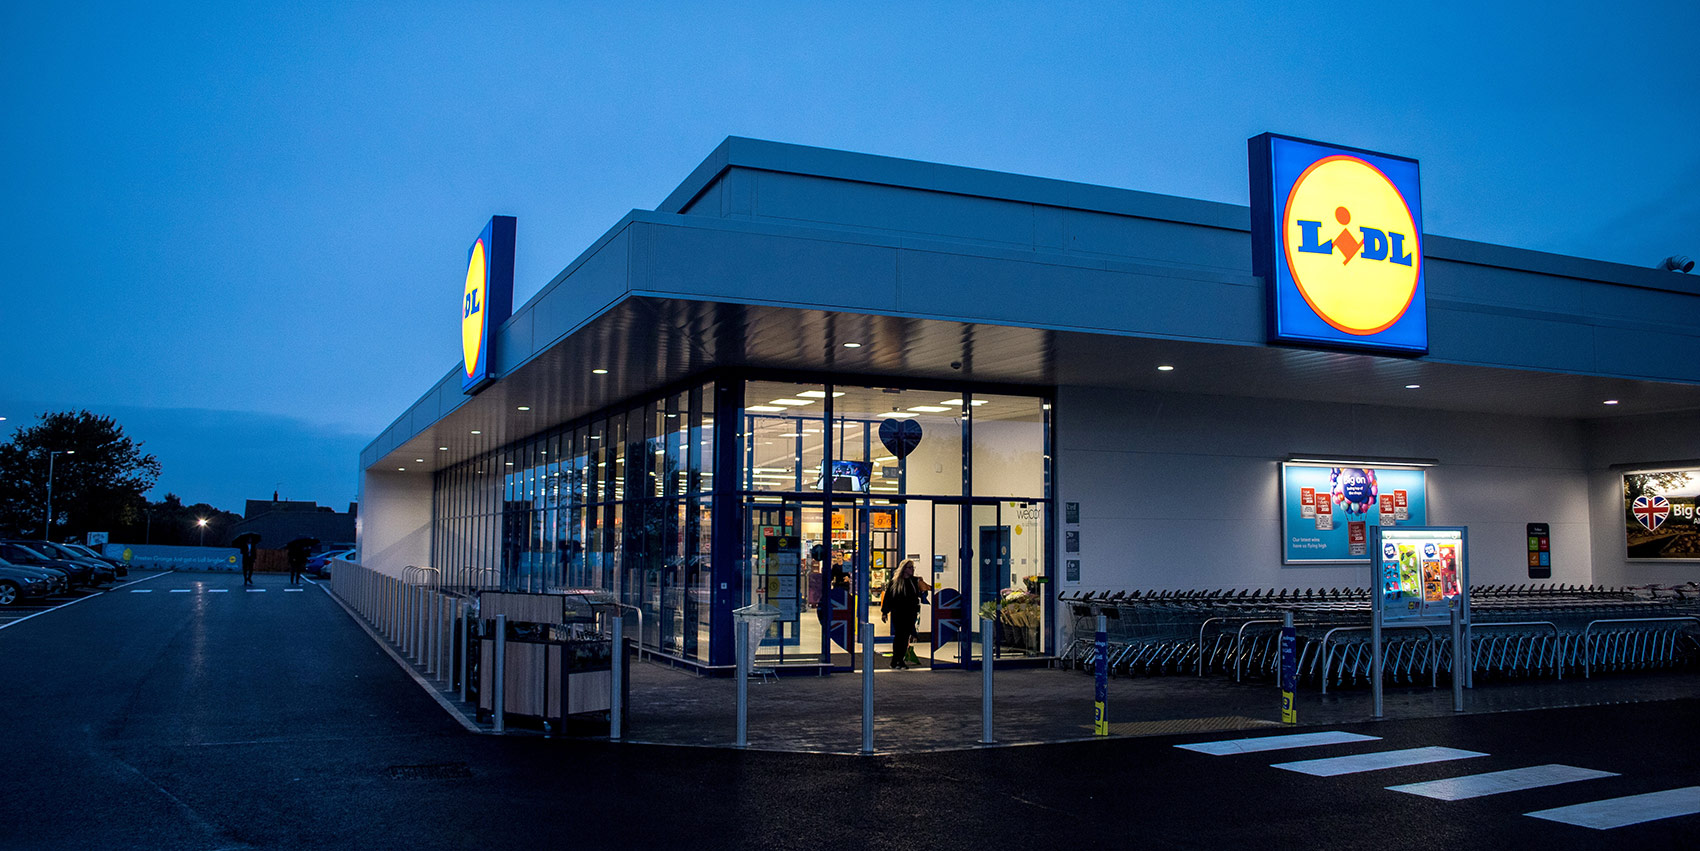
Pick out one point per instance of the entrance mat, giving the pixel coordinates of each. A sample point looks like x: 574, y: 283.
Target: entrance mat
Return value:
x: 1188, y: 725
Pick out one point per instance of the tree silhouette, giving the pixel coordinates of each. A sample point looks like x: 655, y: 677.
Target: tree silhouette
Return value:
x: 98, y: 481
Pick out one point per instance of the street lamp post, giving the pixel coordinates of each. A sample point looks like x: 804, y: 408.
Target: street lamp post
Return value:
x: 47, y: 528
x: 202, y: 522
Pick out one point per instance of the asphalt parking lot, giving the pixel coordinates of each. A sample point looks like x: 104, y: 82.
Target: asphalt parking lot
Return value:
x: 185, y: 711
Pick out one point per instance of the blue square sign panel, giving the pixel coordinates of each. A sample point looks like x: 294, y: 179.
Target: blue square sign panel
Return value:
x: 1337, y: 238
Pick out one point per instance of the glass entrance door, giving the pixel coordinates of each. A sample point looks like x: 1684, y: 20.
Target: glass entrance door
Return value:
x: 951, y: 605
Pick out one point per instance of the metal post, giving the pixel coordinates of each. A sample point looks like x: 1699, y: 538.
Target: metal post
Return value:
x: 419, y: 623
x: 987, y: 629
x: 499, y: 702
x: 465, y: 647
x: 616, y: 706
x: 1100, y: 678
x: 1289, y: 673
x: 1457, y: 672
x: 867, y: 688
x: 741, y: 646
x: 435, y: 610
x: 1375, y: 657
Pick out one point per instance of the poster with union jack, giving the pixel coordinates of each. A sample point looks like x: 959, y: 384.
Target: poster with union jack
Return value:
x: 1658, y: 515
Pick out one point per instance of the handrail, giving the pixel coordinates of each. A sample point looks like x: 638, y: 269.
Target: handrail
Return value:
x: 1322, y: 655
x: 1588, y: 650
x: 1240, y: 637
x: 639, y: 611
x: 1201, y: 641
x: 1557, y: 662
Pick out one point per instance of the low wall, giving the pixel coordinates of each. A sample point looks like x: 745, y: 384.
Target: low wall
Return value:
x: 162, y: 557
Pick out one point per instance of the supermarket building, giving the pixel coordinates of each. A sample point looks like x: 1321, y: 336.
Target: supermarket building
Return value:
x: 1026, y: 386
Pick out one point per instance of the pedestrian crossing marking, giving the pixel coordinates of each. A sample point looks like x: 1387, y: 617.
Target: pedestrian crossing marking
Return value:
x: 1254, y: 744
x: 1632, y: 809
x: 1338, y: 765
x: 1498, y: 782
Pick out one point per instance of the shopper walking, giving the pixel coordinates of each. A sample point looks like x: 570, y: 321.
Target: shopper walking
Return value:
x: 298, y: 558
x: 249, y: 546
x: 900, y: 606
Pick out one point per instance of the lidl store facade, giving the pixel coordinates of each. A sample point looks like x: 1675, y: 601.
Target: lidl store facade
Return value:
x: 808, y: 366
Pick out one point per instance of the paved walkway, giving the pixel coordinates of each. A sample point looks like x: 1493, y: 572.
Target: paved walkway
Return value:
x: 926, y: 710
x: 920, y: 710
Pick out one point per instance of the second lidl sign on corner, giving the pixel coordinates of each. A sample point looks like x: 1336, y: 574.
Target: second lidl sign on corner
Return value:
x: 487, y: 299
x: 1337, y: 237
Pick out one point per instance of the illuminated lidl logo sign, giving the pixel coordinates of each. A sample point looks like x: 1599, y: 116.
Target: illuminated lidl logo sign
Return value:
x: 486, y: 300
x: 1337, y: 237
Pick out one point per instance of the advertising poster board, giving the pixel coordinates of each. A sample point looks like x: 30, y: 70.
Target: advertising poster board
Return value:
x: 1658, y: 515
x: 1421, y: 573
x: 1329, y: 512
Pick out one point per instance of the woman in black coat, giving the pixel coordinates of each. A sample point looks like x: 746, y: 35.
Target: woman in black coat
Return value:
x: 900, y: 606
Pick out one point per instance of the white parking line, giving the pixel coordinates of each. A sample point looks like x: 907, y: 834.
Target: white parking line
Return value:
x: 1254, y: 744
x: 79, y: 600
x: 1335, y: 766
x: 1498, y: 782
x: 1633, y: 809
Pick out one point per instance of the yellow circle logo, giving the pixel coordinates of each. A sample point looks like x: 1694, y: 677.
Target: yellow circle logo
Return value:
x: 472, y: 309
x: 1351, y: 245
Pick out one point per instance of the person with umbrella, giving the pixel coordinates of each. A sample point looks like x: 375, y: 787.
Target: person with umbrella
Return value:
x: 298, y: 550
x: 248, y: 543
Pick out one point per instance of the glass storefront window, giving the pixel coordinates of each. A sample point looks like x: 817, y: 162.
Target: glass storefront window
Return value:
x: 1008, y: 444
x: 933, y: 466
x: 784, y: 433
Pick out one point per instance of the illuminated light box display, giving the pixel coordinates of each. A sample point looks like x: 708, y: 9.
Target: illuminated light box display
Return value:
x: 1337, y: 239
x: 1421, y: 572
x: 1658, y: 515
x: 486, y: 300
x: 1328, y: 512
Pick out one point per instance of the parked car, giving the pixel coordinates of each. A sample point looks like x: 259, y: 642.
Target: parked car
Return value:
x: 18, y: 552
x: 16, y: 583
x: 319, y: 565
x: 103, y: 572
x: 118, y: 567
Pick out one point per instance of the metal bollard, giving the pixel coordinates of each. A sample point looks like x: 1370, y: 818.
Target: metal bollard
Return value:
x: 987, y: 629
x: 867, y: 688
x: 465, y: 647
x: 434, y: 611
x: 616, y: 706
x: 419, y: 623
x: 1100, y: 679
x: 742, y: 674
x: 499, y: 700
x: 1457, y: 655
x: 1289, y: 669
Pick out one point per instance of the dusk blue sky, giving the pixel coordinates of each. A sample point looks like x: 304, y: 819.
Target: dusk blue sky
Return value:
x: 241, y: 228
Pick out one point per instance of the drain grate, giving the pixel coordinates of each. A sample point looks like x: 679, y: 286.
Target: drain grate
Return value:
x: 440, y: 771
